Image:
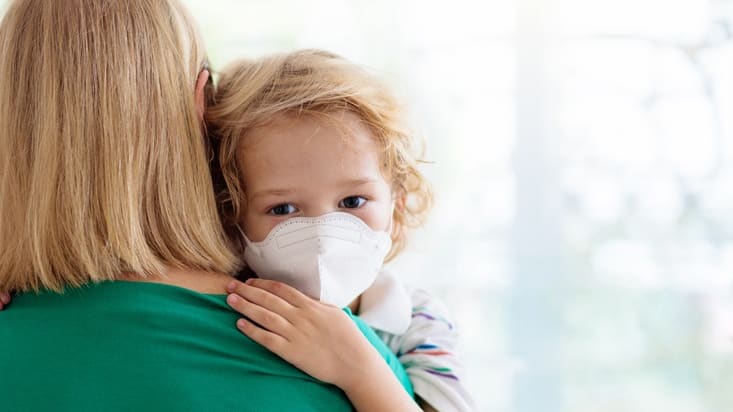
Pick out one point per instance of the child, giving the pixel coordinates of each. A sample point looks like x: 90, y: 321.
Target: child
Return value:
x: 321, y: 176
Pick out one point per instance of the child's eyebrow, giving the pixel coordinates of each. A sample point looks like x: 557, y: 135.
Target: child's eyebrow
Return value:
x: 272, y: 192
x: 358, y: 181
x: 285, y: 192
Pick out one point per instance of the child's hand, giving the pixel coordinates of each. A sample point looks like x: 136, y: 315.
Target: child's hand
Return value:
x: 4, y: 300
x: 319, y: 339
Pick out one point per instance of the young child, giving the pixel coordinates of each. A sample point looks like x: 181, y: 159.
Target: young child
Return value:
x: 321, y: 176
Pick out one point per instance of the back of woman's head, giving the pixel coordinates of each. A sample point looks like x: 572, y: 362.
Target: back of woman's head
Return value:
x: 103, y: 166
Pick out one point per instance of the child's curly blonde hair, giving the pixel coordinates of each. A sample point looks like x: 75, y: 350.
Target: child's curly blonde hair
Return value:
x: 252, y: 93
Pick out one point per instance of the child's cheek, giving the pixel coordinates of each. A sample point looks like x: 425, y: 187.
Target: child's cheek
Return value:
x: 377, y: 215
x: 257, y: 227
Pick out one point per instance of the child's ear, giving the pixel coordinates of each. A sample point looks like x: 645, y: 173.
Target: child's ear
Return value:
x: 399, y: 198
x: 400, y: 203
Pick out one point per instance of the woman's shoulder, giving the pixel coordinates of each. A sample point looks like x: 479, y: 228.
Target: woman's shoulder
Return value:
x: 201, y: 281
x: 167, y: 345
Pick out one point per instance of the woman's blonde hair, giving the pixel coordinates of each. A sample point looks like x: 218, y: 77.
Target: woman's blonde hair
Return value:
x: 251, y: 93
x: 103, y: 164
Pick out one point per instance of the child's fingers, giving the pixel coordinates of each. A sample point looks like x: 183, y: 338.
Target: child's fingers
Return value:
x: 284, y: 291
x: 4, y: 298
x: 262, y: 298
x: 271, y: 341
x: 265, y: 318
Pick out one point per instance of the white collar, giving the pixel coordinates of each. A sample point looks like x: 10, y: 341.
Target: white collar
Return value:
x: 386, y: 305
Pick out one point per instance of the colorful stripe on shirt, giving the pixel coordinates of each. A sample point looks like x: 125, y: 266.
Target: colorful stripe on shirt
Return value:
x: 428, y: 349
x: 421, y: 312
x: 433, y: 370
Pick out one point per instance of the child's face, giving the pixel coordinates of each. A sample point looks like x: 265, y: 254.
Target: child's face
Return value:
x: 307, y: 167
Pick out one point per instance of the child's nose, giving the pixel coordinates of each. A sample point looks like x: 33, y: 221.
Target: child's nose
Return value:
x: 320, y: 210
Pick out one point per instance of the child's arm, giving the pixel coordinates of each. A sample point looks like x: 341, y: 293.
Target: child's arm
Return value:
x: 428, y: 349
x: 4, y: 300
x: 319, y: 339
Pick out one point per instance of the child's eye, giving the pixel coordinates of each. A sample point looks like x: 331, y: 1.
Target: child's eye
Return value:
x: 352, y: 202
x: 282, y: 209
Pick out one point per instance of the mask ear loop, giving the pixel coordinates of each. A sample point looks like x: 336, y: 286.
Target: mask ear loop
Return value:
x: 391, y: 219
x: 244, y: 241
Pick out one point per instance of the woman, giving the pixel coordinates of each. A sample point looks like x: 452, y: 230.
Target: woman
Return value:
x: 108, y: 225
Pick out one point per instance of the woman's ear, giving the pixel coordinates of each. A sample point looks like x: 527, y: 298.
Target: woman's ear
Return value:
x: 200, y: 93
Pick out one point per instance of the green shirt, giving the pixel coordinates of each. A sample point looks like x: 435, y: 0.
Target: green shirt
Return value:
x: 130, y: 346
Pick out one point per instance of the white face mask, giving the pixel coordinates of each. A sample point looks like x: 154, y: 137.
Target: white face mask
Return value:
x: 332, y: 258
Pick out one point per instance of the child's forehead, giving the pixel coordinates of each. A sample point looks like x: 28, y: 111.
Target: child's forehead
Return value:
x: 306, y: 146
x: 306, y: 126
x: 334, y: 118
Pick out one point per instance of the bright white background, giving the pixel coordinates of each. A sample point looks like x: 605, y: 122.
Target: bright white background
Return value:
x: 581, y: 149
